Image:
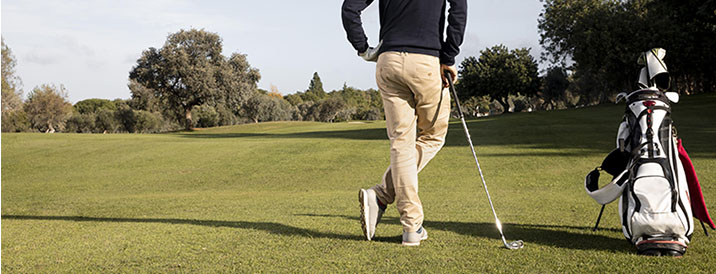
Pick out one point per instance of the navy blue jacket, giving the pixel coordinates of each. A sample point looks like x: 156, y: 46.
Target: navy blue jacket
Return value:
x: 415, y: 26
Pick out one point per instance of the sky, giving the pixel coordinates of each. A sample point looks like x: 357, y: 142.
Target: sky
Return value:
x: 89, y: 46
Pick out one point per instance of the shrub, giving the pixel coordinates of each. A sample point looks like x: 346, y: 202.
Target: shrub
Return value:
x: 81, y: 123
x: 15, y: 121
x: 206, y: 116
x: 148, y: 122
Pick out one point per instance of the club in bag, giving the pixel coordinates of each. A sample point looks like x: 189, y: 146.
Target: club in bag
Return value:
x: 512, y: 245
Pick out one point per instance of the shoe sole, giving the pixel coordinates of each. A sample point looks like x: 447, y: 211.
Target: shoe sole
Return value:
x: 363, y: 200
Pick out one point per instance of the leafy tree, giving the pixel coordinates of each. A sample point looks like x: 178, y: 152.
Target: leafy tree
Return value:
x: 47, y: 108
x: 11, y: 84
x: 370, y: 114
x: 142, y: 97
x: 15, y: 121
x: 308, y: 111
x: 207, y: 116
x: 147, y: 122
x: 279, y: 109
x: 554, y: 87
x: 237, y: 82
x: 604, y: 38
x: 330, y: 108
x: 93, y: 105
x: 255, y: 107
x: 263, y: 108
x: 226, y: 116
x: 294, y: 99
x: 125, y: 116
x: 687, y: 30
x: 499, y: 73
x: 81, y: 123
x: 14, y: 118
x: 189, y: 70
x: 106, y: 121
x: 360, y: 104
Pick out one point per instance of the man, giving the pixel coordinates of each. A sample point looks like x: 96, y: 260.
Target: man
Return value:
x: 412, y: 57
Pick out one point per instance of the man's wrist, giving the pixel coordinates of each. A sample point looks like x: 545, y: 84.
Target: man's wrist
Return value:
x: 361, y: 50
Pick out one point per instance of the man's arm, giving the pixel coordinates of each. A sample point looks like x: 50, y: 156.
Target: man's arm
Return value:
x: 352, y: 24
x: 457, y: 19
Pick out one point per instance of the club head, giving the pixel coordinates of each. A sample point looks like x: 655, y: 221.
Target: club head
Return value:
x: 515, y: 245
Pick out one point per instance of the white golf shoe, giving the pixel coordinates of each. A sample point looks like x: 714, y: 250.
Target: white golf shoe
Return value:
x: 370, y: 212
x: 414, y: 238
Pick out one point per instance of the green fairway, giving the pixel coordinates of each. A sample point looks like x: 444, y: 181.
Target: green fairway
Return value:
x: 284, y: 197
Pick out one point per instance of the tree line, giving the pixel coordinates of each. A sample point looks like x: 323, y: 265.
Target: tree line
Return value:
x: 186, y: 83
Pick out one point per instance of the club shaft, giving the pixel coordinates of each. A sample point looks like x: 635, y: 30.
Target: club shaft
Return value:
x: 474, y: 155
x: 479, y: 170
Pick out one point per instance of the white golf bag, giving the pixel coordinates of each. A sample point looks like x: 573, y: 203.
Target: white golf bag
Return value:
x: 649, y: 177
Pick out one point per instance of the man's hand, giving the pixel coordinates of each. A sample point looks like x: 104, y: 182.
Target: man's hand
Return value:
x: 449, y: 69
x: 371, y: 54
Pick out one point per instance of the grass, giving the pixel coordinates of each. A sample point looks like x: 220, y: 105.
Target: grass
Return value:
x: 283, y: 197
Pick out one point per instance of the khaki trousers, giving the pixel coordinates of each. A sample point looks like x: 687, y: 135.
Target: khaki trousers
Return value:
x: 411, y: 87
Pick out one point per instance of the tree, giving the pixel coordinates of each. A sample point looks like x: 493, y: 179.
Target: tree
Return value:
x: 237, y: 82
x: 604, y: 38
x: 330, y: 108
x: 189, y: 70
x: 294, y: 99
x: 11, y: 84
x: 93, y: 105
x: 359, y: 104
x: 263, y: 108
x: 554, y: 87
x: 499, y: 73
x: 14, y: 118
x: 142, y: 97
x: 47, y: 108
x: 81, y: 123
x: 207, y: 116
x: 315, y: 90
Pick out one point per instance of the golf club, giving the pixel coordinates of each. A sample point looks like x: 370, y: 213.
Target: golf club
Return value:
x: 512, y: 245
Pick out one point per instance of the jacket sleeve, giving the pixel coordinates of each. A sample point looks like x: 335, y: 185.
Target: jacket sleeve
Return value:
x: 457, y: 19
x: 352, y: 23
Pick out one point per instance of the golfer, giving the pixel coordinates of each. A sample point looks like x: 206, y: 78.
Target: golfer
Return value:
x: 414, y: 52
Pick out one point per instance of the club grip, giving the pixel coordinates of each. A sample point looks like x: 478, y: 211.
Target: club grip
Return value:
x: 454, y: 93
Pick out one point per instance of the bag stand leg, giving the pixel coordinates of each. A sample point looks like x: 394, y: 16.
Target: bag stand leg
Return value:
x: 600, y: 217
x: 704, y: 227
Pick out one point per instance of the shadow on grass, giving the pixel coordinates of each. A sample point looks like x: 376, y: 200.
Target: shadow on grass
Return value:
x: 551, y: 235
x: 273, y: 228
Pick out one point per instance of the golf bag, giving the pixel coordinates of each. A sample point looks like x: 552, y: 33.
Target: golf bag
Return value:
x: 649, y: 177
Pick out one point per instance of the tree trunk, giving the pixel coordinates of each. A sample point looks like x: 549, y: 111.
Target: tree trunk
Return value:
x: 505, y: 105
x: 188, y: 118
x: 50, y: 129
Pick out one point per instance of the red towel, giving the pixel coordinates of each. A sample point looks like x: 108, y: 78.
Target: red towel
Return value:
x: 698, y: 205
